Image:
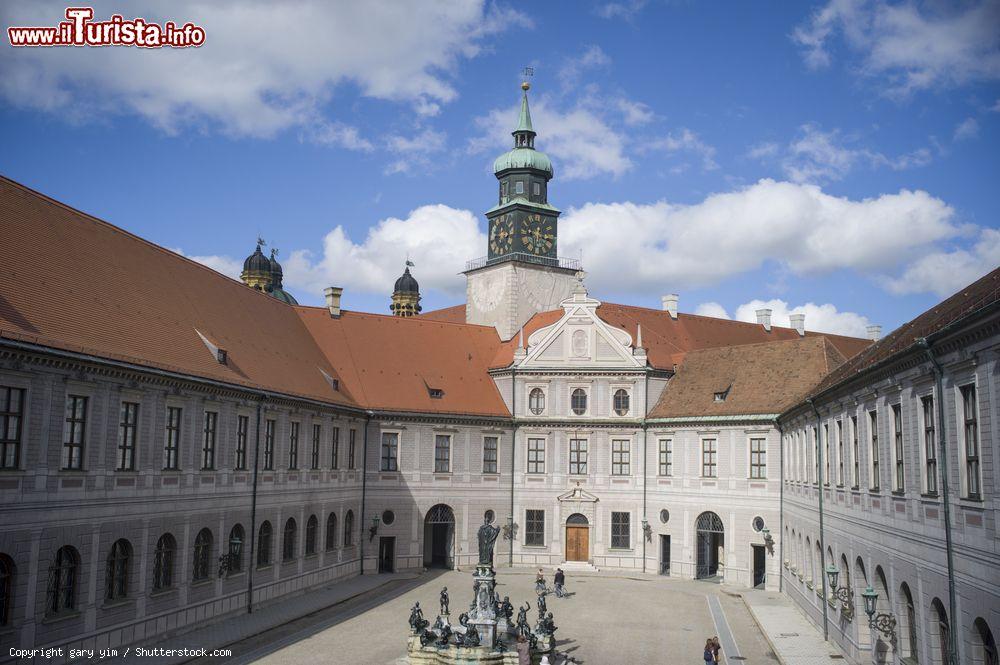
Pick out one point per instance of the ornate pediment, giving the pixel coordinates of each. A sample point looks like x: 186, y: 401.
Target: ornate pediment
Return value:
x: 578, y: 495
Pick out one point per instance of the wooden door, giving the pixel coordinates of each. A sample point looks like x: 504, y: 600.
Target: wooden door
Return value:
x: 577, y: 543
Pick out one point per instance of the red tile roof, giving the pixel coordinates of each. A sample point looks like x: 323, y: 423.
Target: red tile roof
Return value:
x: 755, y: 378
x: 453, y: 314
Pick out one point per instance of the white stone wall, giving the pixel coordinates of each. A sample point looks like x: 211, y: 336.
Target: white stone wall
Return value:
x: 508, y: 294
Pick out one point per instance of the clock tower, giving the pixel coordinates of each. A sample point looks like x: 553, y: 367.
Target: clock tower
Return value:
x: 522, y: 273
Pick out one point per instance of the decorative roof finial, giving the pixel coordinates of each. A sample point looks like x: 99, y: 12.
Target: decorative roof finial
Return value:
x: 527, y: 73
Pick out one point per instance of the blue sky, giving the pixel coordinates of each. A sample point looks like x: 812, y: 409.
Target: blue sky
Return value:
x: 833, y: 158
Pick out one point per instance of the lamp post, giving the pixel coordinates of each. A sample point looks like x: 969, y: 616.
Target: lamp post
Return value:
x: 373, y: 529
x: 882, y: 622
x: 228, y: 560
x: 843, y: 594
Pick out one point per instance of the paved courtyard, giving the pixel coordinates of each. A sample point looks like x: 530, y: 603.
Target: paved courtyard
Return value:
x: 608, y: 618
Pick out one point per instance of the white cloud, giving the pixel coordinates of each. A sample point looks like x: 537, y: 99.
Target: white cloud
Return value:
x: 437, y: 238
x: 967, y: 129
x: 713, y: 309
x: 264, y: 67
x: 623, y: 10
x: 944, y: 273
x: 686, y: 141
x: 796, y: 226
x: 634, y: 113
x: 228, y: 266
x: 910, y: 46
x: 416, y: 150
x: 593, y: 57
x: 763, y: 150
x: 816, y: 155
x: 580, y: 141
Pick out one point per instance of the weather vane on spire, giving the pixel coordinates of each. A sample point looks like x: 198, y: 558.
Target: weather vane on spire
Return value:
x: 260, y: 242
x: 527, y: 73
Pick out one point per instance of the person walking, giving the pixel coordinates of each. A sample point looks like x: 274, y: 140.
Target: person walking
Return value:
x: 559, y: 580
x: 716, y: 647
x: 709, y: 655
x: 523, y: 649
x: 540, y: 581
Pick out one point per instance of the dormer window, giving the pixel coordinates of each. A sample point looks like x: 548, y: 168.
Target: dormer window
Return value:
x: 221, y: 356
x: 723, y: 394
x: 435, y: 393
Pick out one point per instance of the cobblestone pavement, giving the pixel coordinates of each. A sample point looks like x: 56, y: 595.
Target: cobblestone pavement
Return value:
x: 608, y: 619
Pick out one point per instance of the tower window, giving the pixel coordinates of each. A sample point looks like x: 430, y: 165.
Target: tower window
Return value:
x: 519, y: 187
x: 536, y: 189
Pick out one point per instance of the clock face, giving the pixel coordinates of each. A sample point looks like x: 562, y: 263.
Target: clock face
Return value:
x: 537, y: 234
x: 502, y: 234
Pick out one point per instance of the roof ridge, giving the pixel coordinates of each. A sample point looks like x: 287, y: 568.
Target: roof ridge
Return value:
x: 117, y: 229
x: 415, y: 319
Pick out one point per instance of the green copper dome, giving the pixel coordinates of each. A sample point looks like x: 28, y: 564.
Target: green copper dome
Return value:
x: 523, y: 158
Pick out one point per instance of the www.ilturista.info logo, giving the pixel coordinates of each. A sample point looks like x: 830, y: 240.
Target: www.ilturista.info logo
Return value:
x: 80, y: 30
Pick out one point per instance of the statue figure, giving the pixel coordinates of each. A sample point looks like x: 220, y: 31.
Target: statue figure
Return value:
x: 506, y: 609
x: 548, y: 625
x: 426, y: 637
x: 417, y: 620
x: 487, y: 537
x: 445, y: 636
x: 463, y: 619
x: 522, y: 620
x: 541, y: 606
x: 471, y: 638
x: 444, y: 601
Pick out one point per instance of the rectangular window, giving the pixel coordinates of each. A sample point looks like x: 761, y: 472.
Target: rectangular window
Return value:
x: 172, y: 444
x: 897, y: 448
x: 758, y: 459
x: 519, y: 187
x: 620, y: 534
x: 74, y: 432
x: 335, y: 449
x: 536, y: 455
x: 855, y: 454
x: 490, y: 445
x: 873, y: 435
x: 815, y: 478
x: 534, y: 528
x: 442, y: 453
x: 666, y: 457
x: 621, y: 457
x: 293, y: 446
x: 578, y: 457
x: 242, y: 432
x: 208, y: 441
x: 390, y: 448
x: 709, y: 458
x: 11, y: 415
x: 930, y: 447
x: 126, y: 436
x: 840, y: 453
x: 971, y: 432
x: 351, y: 446
x: 536, y: 189
x: 269, y: 445
x: 314, y: 456
x: 826, y: 452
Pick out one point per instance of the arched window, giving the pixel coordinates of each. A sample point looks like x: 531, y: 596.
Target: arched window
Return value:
x: 809, y: 561
x: 940, y: 626
x: 331, y: 531
x: 116, y: 571
x: 163, y: 562
x: 621, y: 402
x: 578, y: 401
x: 349, y: 528
x: 984, y: 647
x: 264, y: 544
x: 536, y: 401
x: 202, y: 555
x: 6, y: 588
x: 61, y: 596
x: 312, y: 525
x: 288, y: 540
x: 236, y: 541
x: 908, y: 631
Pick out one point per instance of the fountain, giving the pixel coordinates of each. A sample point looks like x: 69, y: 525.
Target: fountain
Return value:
x: 484, y: 634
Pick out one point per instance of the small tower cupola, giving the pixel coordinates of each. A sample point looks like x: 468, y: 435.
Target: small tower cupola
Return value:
x: 406, y: 295
x: 257, y: 273
x: 277, y: 274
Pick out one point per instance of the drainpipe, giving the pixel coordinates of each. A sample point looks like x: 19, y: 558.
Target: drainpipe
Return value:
x: 945, y: 501
x: 253, y: 510
x: 364, y: 485
x: 822, y: 539
x: 513, y: 448
x: 781, y: 506
x: 645, y: 462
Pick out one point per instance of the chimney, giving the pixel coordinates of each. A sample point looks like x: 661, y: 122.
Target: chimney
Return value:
x: 670, y: 304
x: 333, y: 294
x: 764, y: 318
x: 798, y: 321
x: 874, y: 332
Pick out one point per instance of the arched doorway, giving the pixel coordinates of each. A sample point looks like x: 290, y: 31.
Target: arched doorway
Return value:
x: 577, y: 538
x: 439, y: 537
x: 710, y: 541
